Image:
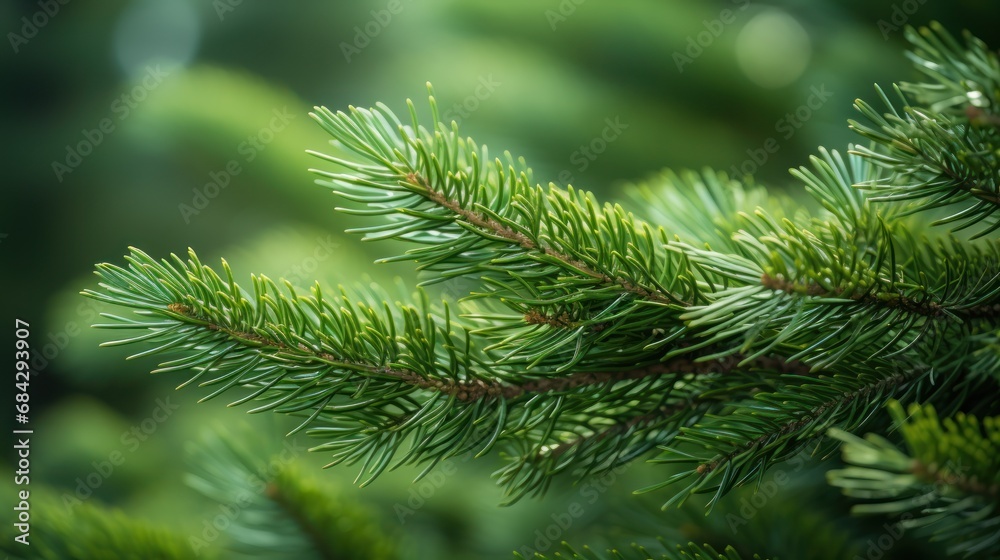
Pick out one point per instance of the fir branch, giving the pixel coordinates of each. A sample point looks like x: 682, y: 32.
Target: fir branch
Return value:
x: 939, y: 160
x: 545, y: 226
x: 468, y: 390
x: 925, y: 306
x: 870, y: 287
x: 368, y: 378
x: 462, y: 389
x: 487, y: 221
x: 638, y: 421
x: 744, y: 332
x: 805, y: 420
x: 945, y: 486
x: 426, y: 182
x: 61, y: 530
x: 941, y: 152
x: 495, y: 229
x: 774, y: 426
x: 283, y: 510
x: 941, y: 475
x: 318, y: 539
x: 961, y: 76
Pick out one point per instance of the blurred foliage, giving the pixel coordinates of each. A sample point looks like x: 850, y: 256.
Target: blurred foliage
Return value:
x: 232, y: 71
x: 88, y: 530
x: 692, y: 551
x: 272, y: 508
x: 946, y: 486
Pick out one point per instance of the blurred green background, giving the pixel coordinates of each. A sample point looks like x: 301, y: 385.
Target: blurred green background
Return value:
x: 118, y: 115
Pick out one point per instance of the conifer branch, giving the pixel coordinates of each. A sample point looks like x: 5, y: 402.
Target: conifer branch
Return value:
x: 726, y: 451
x: 284, y: 511
x: 940, y: 475
x: 316, y: 537
x: 731, y: 335
x: 304, y: 355
x: 468, y: 390
x: 939, y: 151
x: 924, y: 306
x: 639, y: 420
x: 945, y: 486
x: 463, y: 390
x: 496, y: 229
x: 804, y: 420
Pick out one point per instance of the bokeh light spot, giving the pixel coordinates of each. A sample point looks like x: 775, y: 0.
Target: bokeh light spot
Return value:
x: 773, y: 49
x: 150, y: 31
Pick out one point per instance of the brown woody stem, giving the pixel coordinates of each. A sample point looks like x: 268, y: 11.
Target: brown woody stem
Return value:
x: 793, y: 426
x: 476, y: 389
x: 925, y: 307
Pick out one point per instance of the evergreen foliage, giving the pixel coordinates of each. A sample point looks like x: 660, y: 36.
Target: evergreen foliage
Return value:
x: 90, y: 530
x: 269, y: 507
x: 277, y: 510
x: 712, y: 328
x: 945, y: 486
x: 941, y: 151
x: 690, y: 552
